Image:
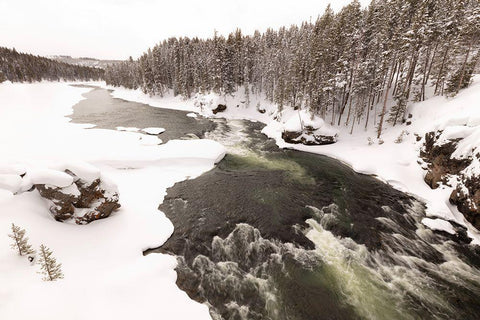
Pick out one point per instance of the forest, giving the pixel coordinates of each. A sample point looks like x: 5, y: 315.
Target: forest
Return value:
x: 22, y: 67
x: 344, y: 66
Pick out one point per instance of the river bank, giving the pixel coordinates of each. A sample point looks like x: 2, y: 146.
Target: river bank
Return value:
x: 398, y: 164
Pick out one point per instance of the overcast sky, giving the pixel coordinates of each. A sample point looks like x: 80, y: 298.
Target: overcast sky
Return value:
x: 117, y: 29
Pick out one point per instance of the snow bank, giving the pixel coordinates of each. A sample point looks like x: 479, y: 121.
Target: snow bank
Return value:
x: 106, y: 274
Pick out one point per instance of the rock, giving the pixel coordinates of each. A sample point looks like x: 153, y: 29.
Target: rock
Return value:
x: 308, y: 136
x: 219, y: 108
x: 60, y: 200
x: 466, y: 196
x: 82, y: 201
x: 441, y: 167
x: 439, y: 158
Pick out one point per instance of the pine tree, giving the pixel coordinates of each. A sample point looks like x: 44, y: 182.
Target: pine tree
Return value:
x: 20, y: 241
x: 368, y: 64
x: 49, y: 266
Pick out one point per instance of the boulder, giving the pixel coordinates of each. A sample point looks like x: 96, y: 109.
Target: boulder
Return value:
x: 84, y: 201
x: 60, y: 200
x: 442, y: 167
x: 219, y: 108
x: 307, y: 128
x: 440, y: 162
x: 466, y: 196
x: 309, y: 136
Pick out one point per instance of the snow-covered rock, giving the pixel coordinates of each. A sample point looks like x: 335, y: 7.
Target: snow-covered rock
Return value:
x: 83, y: 200
x: 50, y: 177
x: 303, y: 127
x: 451, y: 163
x: 439, y: 224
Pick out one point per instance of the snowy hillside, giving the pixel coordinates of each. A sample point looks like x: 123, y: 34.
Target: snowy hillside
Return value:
x: 86, y: 62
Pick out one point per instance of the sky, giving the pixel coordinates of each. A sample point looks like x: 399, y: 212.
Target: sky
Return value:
x: 117, y: 29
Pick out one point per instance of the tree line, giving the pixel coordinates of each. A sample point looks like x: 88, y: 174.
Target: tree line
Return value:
x: 22, y: 67
x: 344, y: 66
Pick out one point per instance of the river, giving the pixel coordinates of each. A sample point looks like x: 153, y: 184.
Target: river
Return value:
x: 281, y: 234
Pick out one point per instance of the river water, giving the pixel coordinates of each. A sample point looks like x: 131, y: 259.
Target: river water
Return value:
x: 282, y: 234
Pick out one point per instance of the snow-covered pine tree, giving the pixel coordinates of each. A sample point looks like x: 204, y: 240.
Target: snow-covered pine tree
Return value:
x: 343, y: 67
x: 49, y: 267
x: 20, y: 241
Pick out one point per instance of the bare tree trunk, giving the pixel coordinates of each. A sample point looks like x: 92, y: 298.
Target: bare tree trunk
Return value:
x: 349, y: 94
x: 396, y: 78
x: 368, y: 107
x: 441, y: 70
x: 349, y: 110
x: 384, y: 109
x: 430, y: 68
x: 462, y: 74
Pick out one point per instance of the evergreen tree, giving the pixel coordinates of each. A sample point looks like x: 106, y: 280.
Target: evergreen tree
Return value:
x: 21, y: 67
x: 20, y: 241
x: 358, y: 64
x: 50, y: 269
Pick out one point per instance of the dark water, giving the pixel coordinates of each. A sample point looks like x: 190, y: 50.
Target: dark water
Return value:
x: 281, y: 234
x: 106, y: 112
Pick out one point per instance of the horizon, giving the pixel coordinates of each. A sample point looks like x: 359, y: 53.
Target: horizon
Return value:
x: 98, y: 29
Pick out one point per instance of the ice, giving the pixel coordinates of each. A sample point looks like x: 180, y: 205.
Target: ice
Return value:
x: 153, y: 130
x: 129, y: 129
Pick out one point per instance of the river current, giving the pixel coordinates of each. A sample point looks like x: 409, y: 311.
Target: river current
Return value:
x: 281, y: 234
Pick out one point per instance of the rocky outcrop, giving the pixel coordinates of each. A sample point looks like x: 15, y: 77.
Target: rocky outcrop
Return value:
x: 445, y: 169
x: 219, y: 108
x: 61, y: 200
x: 82, y: 201
x: 439, y: 159
x: 466, y: 196
x: 309, y: 136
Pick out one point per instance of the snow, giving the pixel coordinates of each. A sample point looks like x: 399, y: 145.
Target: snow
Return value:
x: 438, y: 224
x: 106, y: 274
x: 392, y: 162
x: 192, y: 115
x: 10, y: 182
x: 51, y: 177
x: 82, y: 170
x: 153, y: 130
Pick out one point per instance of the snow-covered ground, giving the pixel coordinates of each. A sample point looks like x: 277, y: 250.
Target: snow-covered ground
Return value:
x: 106, y: 275
x: 393, y: 162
